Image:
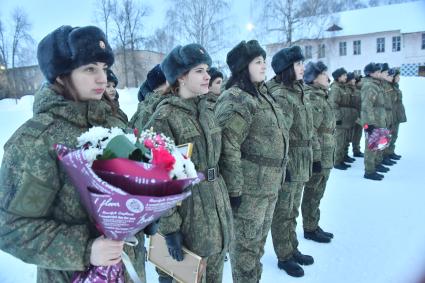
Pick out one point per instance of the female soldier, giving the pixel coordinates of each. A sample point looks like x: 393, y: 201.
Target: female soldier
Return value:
x: 399, y: 113
x: 42, y: 221
x: 203, y: 223
x: 254, y: 153
x: 317, y: 81
x: 111, y: 96
x: 288, y: 89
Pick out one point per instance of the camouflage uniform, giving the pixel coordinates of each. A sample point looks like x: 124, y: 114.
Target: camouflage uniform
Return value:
x: 372, y: 113
x: 389, y: 97
x: 145, y: 109
x: 346, y: 114
x: 357, y: 129
x: 323, y: 151
x: 205, y: 218
x: 253, y: 163
x: 300, y: 120
x: 399, y: 115
x: 42, y: 221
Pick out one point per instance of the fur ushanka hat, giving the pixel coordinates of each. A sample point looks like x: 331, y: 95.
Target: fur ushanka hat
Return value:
x: 371, y: 68
x: 351, y: 76
x: 183, y: 58
x: 242, y: 54
x: 68, y: 48
x: 312, y: 70
x: 338, y: 73
x: 286, y: 57
x: 214, y: 73
x: 110, y: 76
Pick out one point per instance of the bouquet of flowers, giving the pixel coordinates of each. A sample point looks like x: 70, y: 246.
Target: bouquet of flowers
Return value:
x: 378, y: 139
x: 126, y: 181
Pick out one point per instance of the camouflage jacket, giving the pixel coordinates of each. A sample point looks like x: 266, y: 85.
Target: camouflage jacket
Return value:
x: 399, y: 113
x: 355, y: 100
x: 343, y: 108
x: 42, y: 221
x: 296, y: 104
x: 205, y: 218
x: 324, y: 125
x: 373, y: 103
x: 211, y: 99
x: 389, y: 97
x: 255, y: 141
x: 145, y: 110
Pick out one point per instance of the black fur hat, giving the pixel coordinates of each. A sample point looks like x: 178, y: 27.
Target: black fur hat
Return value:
x: 214, y: 73
x: 312, y: 70
x: 351, y: 76
x: 242, y: 54
x: 286, y: 57
x: 338, y: 72
x: 371, y: 68
x: 385, y: 67
x: 143, y: 91
x: 111, y: 77
x: 155, y: 78
x: 68, y: 48
x: 183, y: 58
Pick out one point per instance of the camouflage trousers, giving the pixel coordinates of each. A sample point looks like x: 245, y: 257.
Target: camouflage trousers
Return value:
x: 357, y: 132
x: 213, y: 273
x: 313, y: 192
x: 284, y: 223
x: 394, y: 135
x: 371, y: 159
x: 252, y: 222
x: 342, y: 139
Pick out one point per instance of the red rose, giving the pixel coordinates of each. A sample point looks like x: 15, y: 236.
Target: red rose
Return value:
x: 163, y: 158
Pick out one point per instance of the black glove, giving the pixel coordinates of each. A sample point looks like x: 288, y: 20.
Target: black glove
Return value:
x: 174, y: 243
x: 288, y: 176
x: 235, y: 202
x: 339, y: 123
x: 317, y: 167
x: 370, y: 129
x: 152, y: 228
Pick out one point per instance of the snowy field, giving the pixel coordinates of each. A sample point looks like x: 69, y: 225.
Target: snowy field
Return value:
x: 379, y: 227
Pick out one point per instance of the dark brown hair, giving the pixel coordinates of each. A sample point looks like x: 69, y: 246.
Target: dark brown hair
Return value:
x: 287, y: 76
x: 243, y: 81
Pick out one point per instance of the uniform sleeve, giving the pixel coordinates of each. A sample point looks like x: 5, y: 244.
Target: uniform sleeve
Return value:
x: 30, y: 181
x: 172, y: 220
x: 235, y: 126
x: 317, y: 121
x: 369, y: 95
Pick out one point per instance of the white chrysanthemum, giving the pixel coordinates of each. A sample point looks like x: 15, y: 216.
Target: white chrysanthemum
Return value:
x: 92, y: 135
x: 183, y: 168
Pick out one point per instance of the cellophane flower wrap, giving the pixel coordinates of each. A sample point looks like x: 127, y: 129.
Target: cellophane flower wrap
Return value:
x: 125, y: 181
x: 379, y: 139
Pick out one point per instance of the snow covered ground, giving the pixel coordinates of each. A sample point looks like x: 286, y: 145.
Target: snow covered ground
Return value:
x: 379, y: 226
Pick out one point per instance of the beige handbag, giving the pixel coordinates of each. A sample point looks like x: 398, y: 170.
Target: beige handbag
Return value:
x: 190, y: 270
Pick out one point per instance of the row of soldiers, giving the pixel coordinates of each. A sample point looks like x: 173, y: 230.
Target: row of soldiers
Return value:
x: 375, y: 101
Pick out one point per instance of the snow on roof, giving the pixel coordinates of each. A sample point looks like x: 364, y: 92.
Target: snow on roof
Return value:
x: 407, y: 17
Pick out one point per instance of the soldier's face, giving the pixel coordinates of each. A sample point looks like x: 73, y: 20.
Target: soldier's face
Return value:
x: 322, y: 79
x: 257, y: 69
x: 195, y: 82
x: 110, y: 90
x: 299, y: 70
x: 397, y: 79
x: 343, y: 78
x: 89, y: 81
x: 216, y: 86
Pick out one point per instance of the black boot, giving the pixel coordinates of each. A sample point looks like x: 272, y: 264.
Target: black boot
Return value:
x: 291, y: 267
x: 373, y: 176
x: 348, y: 159
x: 387, y: 161
x: 303, y: 259
x: 358, y: 154
x: 328, y: 234
x: 381, y: 168
x: 395, y: 156
x: 316, y: 236
x: 340, y: 166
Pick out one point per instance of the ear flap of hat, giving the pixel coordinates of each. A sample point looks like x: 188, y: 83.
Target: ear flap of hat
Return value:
x: 286, y: 57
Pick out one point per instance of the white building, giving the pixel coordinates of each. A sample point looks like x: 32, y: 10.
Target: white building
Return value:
x: 394, y: 34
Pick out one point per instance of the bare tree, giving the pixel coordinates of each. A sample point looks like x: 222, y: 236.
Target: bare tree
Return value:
x: 128, y: 19
x: 287, y: 16
x: 103, y: 13
x: 21, y: 36
x: 201, y: 21
x: 163, y: 40
x: 344, y: 5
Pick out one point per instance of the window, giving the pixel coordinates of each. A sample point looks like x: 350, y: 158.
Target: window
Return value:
x: 357, y: 72
x: 343, y: 48
x: 308, y: 51
x: 423, y: 41
x: 396, y: 43
x: 322, y: 51
x: 357, y: 47
x: 380, y: 45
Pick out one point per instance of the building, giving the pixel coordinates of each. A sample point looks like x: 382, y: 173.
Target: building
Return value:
x: 393, y: 33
